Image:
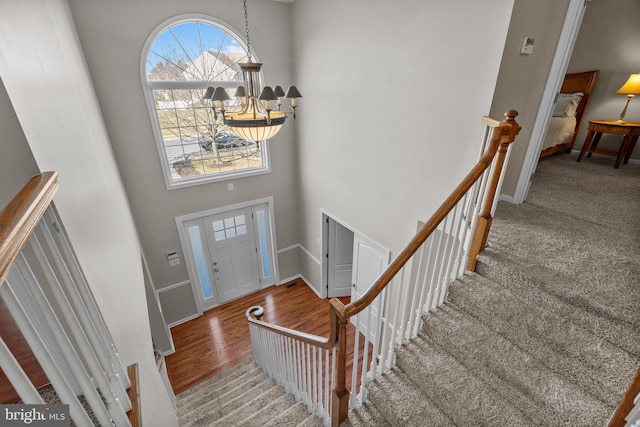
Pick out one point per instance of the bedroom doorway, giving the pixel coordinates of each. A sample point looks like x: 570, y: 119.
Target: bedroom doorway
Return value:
x: 564, y: 50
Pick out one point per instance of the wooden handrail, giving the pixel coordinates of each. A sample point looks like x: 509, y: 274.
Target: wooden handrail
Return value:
x: 618, y: 419
x: 21, y: 216
x: 503, y: 135
x: 255, y: 313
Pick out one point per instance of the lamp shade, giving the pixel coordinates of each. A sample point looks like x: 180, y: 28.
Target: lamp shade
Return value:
x: 252, y: 128
x: 632, y: 86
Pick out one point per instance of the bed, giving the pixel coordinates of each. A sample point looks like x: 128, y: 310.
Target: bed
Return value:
x: 568, y: 112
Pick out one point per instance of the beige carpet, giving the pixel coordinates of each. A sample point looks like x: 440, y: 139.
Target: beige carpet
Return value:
x: 545, y: 334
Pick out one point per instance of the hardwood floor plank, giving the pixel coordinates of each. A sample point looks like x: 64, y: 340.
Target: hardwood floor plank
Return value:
x: 13, y: 338
x: 219, y: 339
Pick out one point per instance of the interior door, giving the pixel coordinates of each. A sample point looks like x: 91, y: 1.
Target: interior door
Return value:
x: 369, y: 261
x: 339, y: 259
x: 233, y: 251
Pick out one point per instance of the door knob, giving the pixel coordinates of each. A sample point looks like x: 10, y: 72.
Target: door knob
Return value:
x: 215, y: 263
x: 215, y: 269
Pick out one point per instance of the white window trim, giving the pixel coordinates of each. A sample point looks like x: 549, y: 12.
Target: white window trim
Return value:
x: 147, y: 88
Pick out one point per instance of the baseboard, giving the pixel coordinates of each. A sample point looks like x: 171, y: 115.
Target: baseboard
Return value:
x: 181, y: 321
x: 506, y: 198
x: 306, y: 282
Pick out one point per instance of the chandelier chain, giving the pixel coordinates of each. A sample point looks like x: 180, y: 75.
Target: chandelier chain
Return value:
x: 246, y: 28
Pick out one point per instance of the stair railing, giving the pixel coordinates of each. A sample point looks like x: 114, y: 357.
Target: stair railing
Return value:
x: 47, y: 295
x: 627, y: 413
x: 390, y: 312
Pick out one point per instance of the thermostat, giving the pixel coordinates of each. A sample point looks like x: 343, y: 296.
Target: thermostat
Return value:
x: 527, y: 45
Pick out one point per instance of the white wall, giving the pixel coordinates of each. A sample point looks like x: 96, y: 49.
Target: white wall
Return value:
x: 394, y: 92
x: 112, y: 35
x: 42, y: 67
x: 17, y: 164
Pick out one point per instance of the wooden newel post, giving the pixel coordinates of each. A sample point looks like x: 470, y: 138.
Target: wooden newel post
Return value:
x: 340, y: 394
x: 504, y: 134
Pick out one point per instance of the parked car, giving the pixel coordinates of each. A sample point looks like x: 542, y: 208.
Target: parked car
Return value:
x: 223, y: 140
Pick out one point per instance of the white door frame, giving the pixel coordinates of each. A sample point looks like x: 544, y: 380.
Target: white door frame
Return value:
x: 184, y: 241
x: 325, y: 248
x: 326, y: 217
x: 564, y: 50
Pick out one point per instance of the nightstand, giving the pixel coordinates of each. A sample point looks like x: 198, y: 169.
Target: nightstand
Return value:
x: 596, y: 128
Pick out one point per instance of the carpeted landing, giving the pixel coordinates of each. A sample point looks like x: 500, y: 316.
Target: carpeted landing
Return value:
x: 546, y: 333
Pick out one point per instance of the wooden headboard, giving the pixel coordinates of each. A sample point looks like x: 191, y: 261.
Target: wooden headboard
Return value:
x: 573, y: 83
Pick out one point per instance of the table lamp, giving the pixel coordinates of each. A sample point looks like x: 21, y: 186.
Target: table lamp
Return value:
x: 630, y: 88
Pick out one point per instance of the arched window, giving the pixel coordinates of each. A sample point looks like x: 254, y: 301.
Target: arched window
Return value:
x: 181, y: 59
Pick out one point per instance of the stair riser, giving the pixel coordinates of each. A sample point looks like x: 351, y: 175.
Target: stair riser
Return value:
x: 594, y: 364
x: 514, y: 374
x: 539, y: 285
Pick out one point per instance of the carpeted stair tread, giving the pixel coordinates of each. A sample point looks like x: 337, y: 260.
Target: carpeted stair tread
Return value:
x: 250, y: 407
x: 463, y: 397
x: 605, y: 261
x: 276, y: 409
x: 365, y: 415
x: 216, y: 409
x: 402, y: 403
x: 514, y: 374
x: 565, y: 296
x: 311, y: 421
x: 225, y: 392
x: 596, y: 365
x: 214, y: 381
x: 293, y: 416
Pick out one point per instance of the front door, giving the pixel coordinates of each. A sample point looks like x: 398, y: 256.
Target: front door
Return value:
x: 369, y: 261
x: 233, y: 253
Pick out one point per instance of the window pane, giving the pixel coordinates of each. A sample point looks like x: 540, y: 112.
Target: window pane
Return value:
x: 231, y: 232
x: 201, y: 262
x: 219, y: 235
x: 183, y: 61
x: 242, y: 230
x: 265, y: 255
x: 218, y: 225
x: 228, y: 223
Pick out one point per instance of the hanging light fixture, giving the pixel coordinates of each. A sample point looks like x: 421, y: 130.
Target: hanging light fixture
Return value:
x: 258, y: 115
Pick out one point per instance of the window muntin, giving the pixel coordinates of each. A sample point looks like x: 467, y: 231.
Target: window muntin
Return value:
x: 194, y: 147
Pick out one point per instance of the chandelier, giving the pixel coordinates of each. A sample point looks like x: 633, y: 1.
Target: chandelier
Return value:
x: 258, y: 114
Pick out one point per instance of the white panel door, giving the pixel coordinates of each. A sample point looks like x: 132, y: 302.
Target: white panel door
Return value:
x: 233, y: 250
x: 369, y: 261
x: 339, y: 259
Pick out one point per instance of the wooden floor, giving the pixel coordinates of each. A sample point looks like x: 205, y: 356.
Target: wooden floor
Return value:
x: 219, y: 339
x: 214, y: 342
x: 20, y: 349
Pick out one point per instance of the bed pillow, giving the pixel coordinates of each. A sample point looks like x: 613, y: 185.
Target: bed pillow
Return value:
x: 567, y: 104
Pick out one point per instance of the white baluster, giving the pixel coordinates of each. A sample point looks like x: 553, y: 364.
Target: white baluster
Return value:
x: 309, y: 387
x: 65, y: 262
x: 88, y: 352
x: 424, y: 283
x: 22, y: 315
x: 32, y: 290
x: 119, y: 371
x: 16, y: 376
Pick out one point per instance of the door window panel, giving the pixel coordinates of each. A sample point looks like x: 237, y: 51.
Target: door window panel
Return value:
x: 263, y: 243
x: 201, y: 262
